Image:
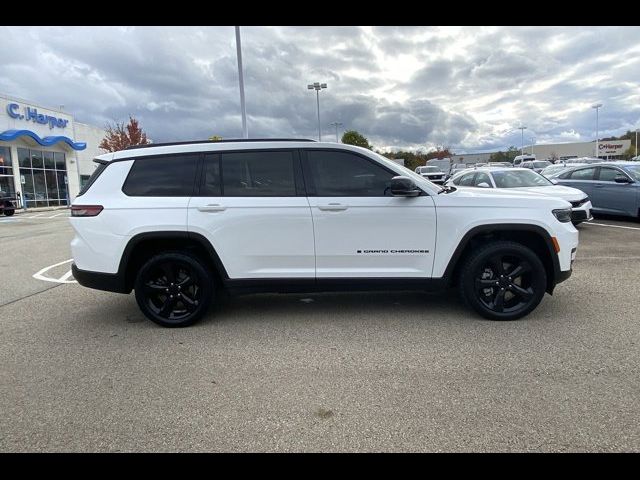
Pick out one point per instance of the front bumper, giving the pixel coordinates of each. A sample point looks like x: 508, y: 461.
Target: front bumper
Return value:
x: 582, y: 213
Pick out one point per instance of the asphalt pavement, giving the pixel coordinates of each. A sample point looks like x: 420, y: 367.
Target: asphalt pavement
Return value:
x: 83, y: 370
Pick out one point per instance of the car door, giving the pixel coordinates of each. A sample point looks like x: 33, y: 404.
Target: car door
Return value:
x: 482, y: 180
x: 252, y: 208
x: 361, y: 230
x: 617, y: 198
x: 580, y: 178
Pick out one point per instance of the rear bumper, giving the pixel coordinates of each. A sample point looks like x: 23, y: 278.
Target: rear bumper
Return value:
x: 109, y: 282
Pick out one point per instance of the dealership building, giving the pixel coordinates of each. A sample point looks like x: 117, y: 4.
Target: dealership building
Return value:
x: 607, y: 150
x: 45, y: 155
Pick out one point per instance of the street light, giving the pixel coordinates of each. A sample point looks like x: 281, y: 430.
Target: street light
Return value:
x: 597, y: 106
x: 243, y: 107
x: 533, y: 140
x: 336, y: 124
x: 317, y: 87
x: 522, y: 129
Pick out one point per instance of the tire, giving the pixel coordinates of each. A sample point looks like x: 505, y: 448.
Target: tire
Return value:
x: 9, y: 211
x: 174, y: 289
x: 510, y: 297
x: 575, y: 224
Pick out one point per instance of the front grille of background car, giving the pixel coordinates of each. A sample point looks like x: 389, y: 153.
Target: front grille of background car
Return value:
x: 579, y: 203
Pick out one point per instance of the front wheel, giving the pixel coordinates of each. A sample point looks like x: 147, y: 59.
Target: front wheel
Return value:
x: 503, y: 281
x: 9, y: 211
x: 174, y: 289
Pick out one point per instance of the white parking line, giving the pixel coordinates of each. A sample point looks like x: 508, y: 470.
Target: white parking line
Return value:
x: 57, y: 215
x: 63, y: 279
x: 612, y: 226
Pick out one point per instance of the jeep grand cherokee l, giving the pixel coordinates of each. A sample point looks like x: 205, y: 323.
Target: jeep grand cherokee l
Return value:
x: 178, y: 222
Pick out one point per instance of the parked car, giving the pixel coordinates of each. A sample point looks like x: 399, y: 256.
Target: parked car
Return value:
x: 557, y: 168
x: 584, y: 160
x: 523, y: 158
x: 177, y: 222
x: 613, y: 187
x: 7, y: 204
x: 526, y: 180
x: 432, y: 173
x: 537, y: 165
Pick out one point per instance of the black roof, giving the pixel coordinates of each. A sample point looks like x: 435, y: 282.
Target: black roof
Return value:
x: 230, y: 140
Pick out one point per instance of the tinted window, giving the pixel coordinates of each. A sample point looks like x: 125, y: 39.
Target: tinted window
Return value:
x: 582, y: 174
x: 258, y: 174
x: 167, y: 176
x: 609, y: 174
x: 343, y: 174
x: 90, y: 180
x: 465, y: 180
x: 482, y: 177
x: 211, y: 182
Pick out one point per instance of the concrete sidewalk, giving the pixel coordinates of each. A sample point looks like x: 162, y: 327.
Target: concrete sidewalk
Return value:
x: 39, y: 209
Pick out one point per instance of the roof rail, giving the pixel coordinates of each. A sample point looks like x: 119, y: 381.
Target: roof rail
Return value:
x: 234, y: 140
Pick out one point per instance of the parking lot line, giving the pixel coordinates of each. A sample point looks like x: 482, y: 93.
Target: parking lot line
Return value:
x: 613, y: 226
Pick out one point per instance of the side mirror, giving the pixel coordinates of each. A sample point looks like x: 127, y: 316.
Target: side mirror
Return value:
x: 554, y: 181
x: 621, y: 179
x: 403, y: 187
x: 484, y: 185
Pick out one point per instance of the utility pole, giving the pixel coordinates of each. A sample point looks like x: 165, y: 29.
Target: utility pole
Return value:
x: 522, y: 129
x: 243, y: 107
x: 336, y: 124
x: 317, y: 87
x: 597, y: 106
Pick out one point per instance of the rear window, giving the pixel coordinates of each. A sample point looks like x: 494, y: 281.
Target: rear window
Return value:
x: 166, y: 176
x: 94, y: 176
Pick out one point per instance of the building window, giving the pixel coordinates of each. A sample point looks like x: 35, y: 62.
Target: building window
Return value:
x: 43, y: 177
x: 5, y: 161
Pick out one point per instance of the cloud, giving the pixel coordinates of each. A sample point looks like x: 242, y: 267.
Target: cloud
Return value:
x: 408, y: 87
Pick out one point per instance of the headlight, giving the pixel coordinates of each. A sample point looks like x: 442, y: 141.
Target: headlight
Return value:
x: 562, y: 214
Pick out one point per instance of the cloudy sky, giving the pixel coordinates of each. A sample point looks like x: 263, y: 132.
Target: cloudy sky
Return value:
x: 410, y: 87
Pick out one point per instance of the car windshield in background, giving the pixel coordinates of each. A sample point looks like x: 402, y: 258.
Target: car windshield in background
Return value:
x: 541, y: 164
x: 519, y: 178
x: 430, y: 170
x: 633, y: 170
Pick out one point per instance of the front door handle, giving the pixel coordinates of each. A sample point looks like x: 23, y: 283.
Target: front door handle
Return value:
x: 212, y: 208
x: 599, y: 185
x: 333, y: 207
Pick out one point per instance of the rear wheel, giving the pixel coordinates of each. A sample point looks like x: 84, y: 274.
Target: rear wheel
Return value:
x: 9, y: 211
x: 174, y: 289
x: 503, y: 281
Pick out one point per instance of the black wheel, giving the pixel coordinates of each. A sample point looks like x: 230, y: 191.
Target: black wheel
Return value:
x: 9, y: 211
x: 503, y: 281
x: 174, y: 289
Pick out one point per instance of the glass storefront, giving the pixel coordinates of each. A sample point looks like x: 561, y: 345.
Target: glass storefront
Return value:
x: 7, y: 187
x: 45, y: 177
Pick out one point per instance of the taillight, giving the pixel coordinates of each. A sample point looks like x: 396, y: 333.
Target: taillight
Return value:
x: 85, y: 210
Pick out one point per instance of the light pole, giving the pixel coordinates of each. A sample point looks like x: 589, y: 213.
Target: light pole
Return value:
x: 243, y: 107
x: 336, y: 124
x: 597, y: 106
x: 636, y: 142
x: 317, y: 87
x: 533, y: 140
x: 522, y: 129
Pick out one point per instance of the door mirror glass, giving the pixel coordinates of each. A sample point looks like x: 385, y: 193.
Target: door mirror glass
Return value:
x: 484, y: 185
x: 403, y: 187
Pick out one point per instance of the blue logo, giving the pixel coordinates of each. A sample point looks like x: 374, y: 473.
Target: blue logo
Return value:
x: 33, y: 115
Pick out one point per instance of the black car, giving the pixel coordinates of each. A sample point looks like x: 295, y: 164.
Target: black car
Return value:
x: 7, y: 205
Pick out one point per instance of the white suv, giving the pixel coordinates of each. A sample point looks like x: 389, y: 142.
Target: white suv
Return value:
x: 177, y: 222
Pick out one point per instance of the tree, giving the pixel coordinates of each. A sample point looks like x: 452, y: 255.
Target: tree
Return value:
x: 351, y: 137
x: 120, y: 136
x: 507, y: 156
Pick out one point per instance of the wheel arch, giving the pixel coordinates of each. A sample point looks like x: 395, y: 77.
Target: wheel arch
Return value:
x: 532, y: 236
x: 143, y: 245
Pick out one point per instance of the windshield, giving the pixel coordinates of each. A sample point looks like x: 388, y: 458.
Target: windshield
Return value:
x: 541, y: 164
x: 429, y: 169
x: 519, y: 178
x: 633, y: 170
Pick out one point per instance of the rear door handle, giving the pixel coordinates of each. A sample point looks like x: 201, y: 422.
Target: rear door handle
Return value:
x: 333, y: 207
x: 212, y: 208
x: 599, y: 185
